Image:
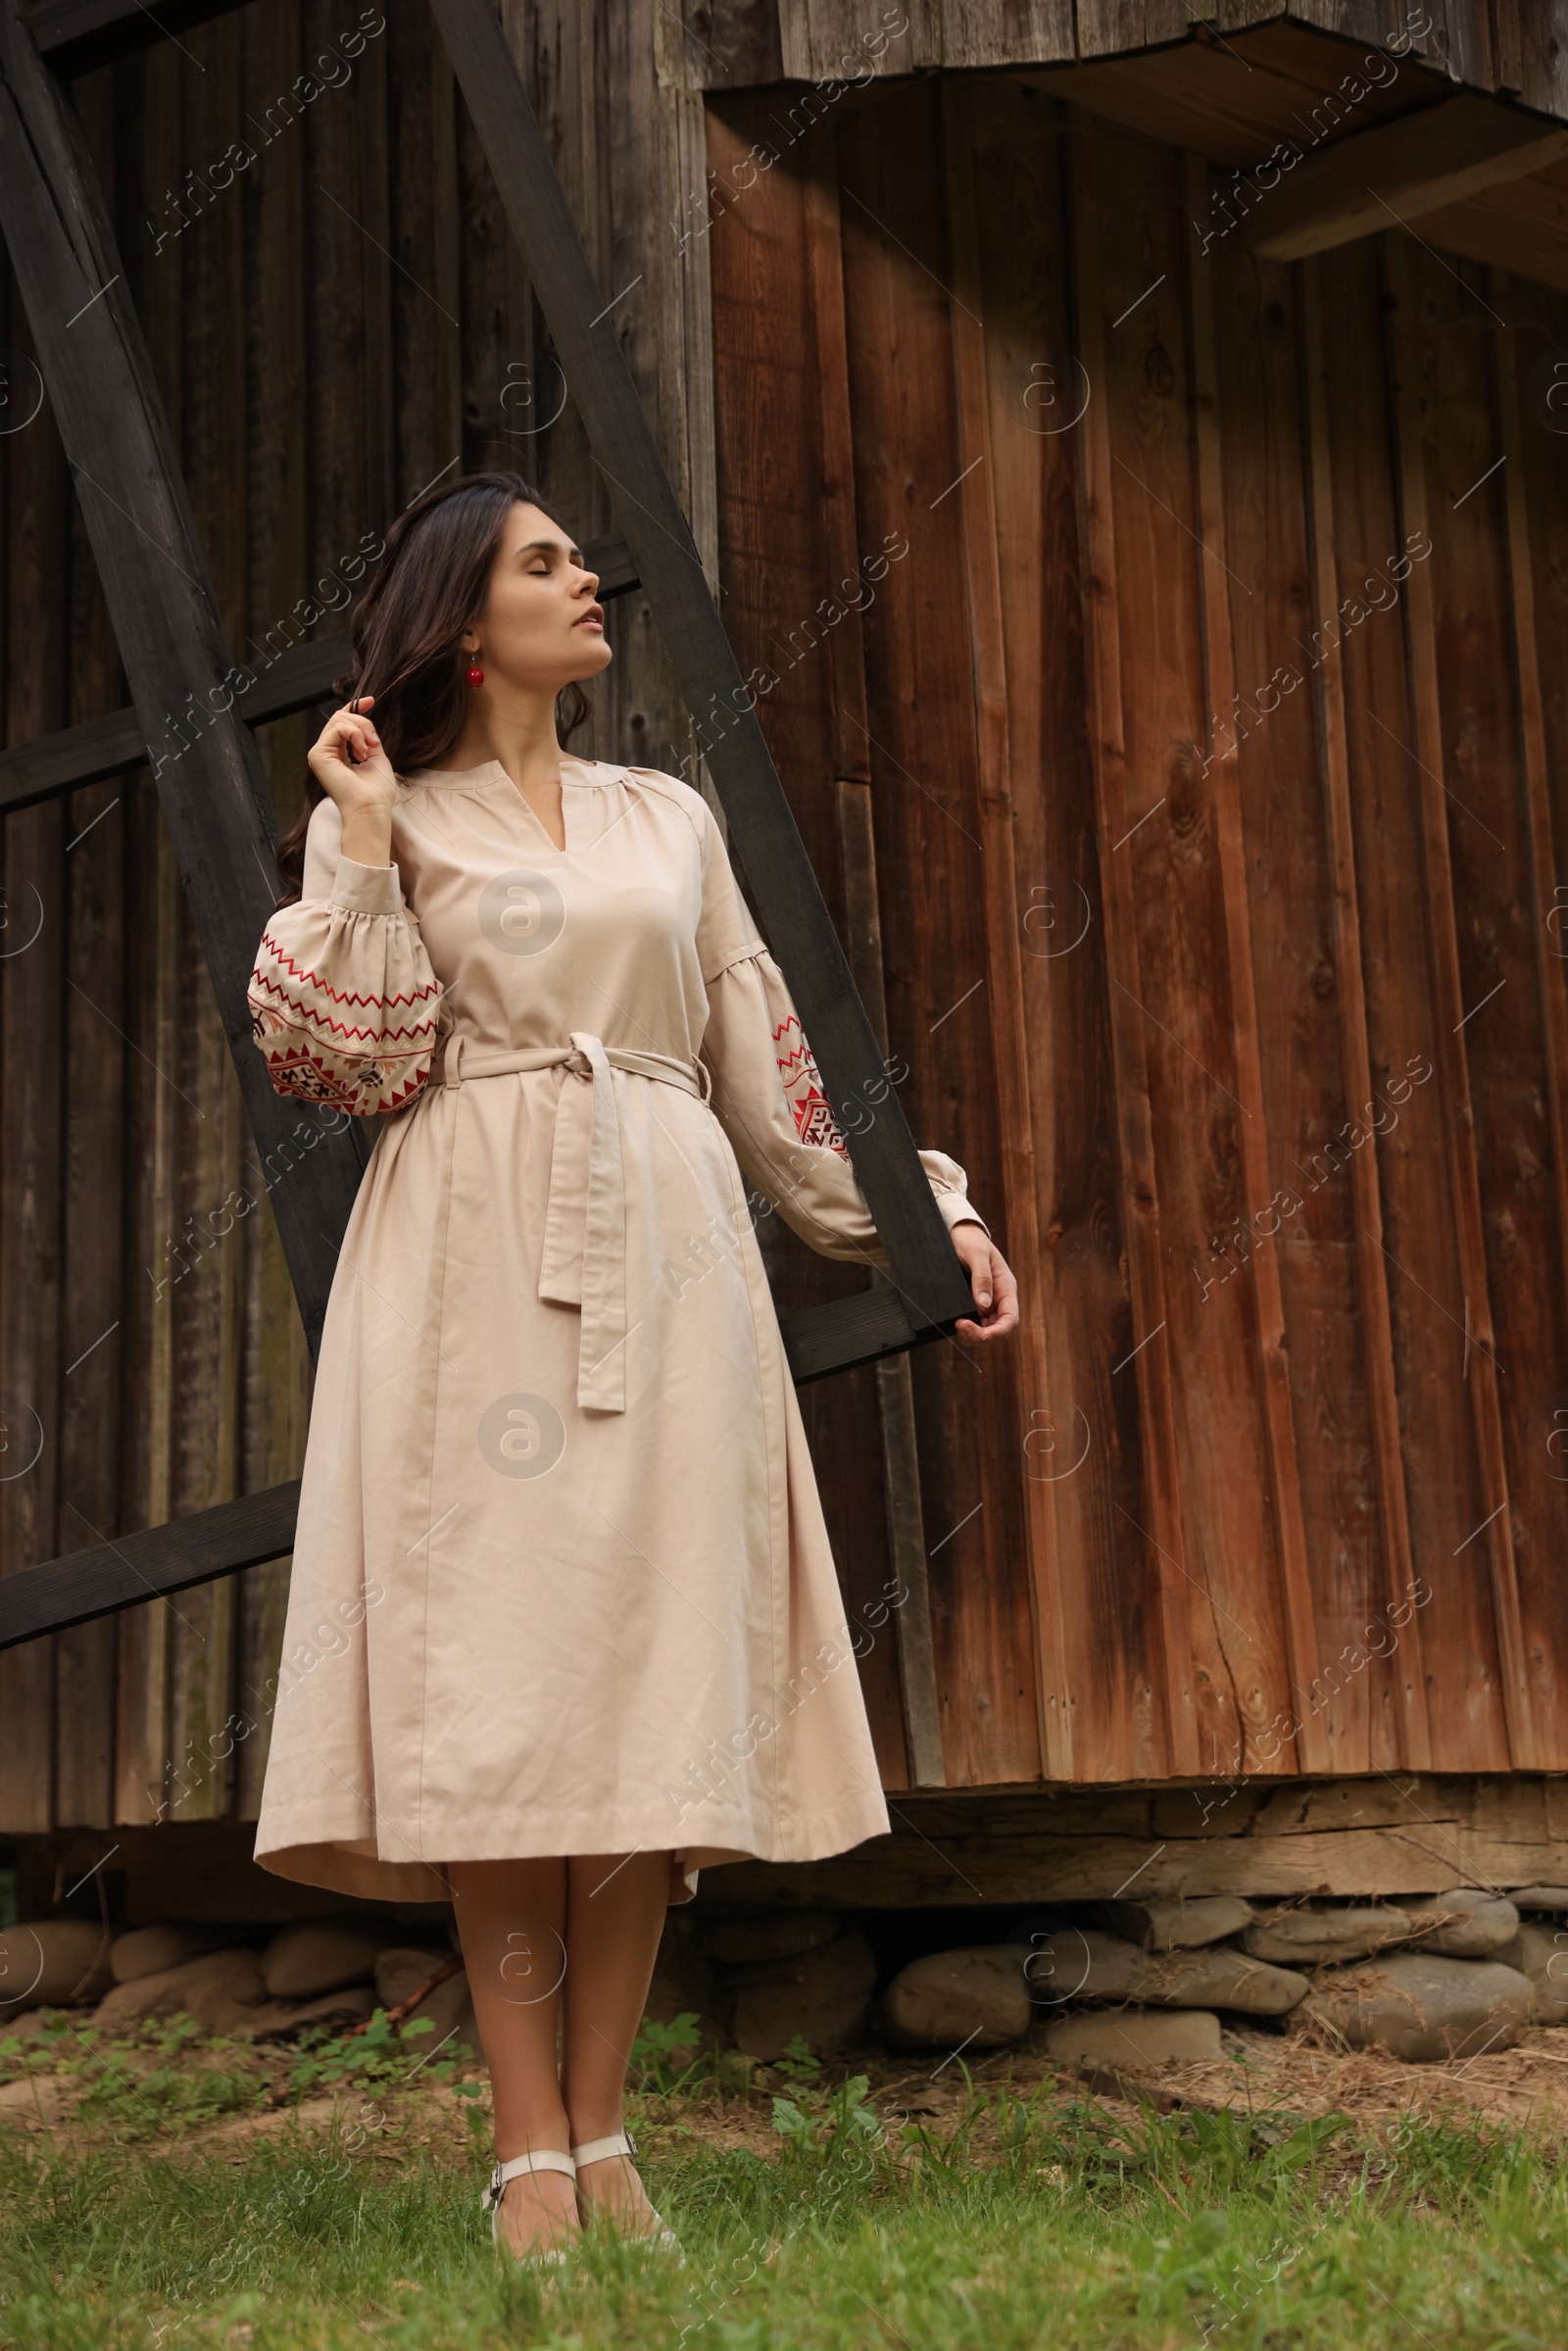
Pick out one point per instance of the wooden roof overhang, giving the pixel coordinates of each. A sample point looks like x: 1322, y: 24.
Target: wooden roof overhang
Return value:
x: 1461, y: 128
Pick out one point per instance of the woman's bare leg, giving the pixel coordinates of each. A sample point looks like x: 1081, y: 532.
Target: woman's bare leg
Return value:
x: 512, y: 1919
x: 615, y: 1917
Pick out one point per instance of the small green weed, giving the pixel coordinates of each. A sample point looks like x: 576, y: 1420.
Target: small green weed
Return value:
x: 374, y: 2059
x: 151, y: 2078
x: 652, y: 2053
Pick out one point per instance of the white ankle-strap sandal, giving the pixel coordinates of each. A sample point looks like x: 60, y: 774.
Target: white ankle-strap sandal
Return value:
x: 548, y: 2159
x: 621, y: 2143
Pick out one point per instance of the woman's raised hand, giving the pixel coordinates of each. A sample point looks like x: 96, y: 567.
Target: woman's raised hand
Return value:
x: 349, y: 763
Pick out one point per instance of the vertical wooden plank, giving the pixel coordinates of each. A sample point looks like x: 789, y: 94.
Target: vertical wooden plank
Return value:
x: 501, y: 412
x: 1487, y: 711
x: 1494, y: 1532
x: 1215, y: 579
x: 32, y: 1058
x: 850, y: 749
x: 1543, y: 1597
x: 924, y: 1765
x: 364, y: 125
x: 1005, y: 1001
x: 93, y: 1333
x: 686, y: 302
x: 1001, y: 33
x: 1107, y: 27
x: 1363, y: 638
x: 784, y: 510
x: 623, y: 200
x: 348, y: 422
x: 1300, y: 1236
x: 819, y: 39
x: 926, y: 796
x: 1082, y: 1443
x: 141, y: 1737
x: 207, y: 1282
x: 155, y: 904
x: 446, y: 236
x: 1404, y: 1683
x: 1209, y: 1712
x: 1178, y: 976
x: 1542, y: 318
x: 278, y: 1366
x: 420, y: 133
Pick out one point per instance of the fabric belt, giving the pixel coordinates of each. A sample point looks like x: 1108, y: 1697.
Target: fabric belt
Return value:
x: 584, y: 1259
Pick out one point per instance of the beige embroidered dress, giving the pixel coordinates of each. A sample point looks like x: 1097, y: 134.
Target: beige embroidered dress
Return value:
x: 561, y: 1582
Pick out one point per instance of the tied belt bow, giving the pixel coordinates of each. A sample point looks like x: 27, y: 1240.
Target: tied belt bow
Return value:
x: 584, y: 1260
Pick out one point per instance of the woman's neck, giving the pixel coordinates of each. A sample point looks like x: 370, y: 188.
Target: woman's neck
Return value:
x: 518, y: 732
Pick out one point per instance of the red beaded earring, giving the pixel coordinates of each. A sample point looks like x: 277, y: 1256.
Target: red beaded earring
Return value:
x: 476, y: 676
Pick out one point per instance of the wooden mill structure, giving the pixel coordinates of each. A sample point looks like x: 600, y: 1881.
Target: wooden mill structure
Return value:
x: 1128, y: 446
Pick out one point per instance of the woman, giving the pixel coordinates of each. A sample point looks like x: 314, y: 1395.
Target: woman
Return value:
x: 561, y: 1623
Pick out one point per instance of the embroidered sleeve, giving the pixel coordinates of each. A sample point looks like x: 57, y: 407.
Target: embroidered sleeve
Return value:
x: 767, y: 1092
x: 802, y: 1088
x: 343, y: 1001
x: 769, y: 1099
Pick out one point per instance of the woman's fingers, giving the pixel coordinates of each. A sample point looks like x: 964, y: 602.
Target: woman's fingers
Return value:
x: 346, y: 726
x: 991, y: 1283
x: 1004, y: 1300
x: 347, y: 758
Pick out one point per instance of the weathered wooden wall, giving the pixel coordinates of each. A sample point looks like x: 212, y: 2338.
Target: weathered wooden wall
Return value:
x: 1178, y: 875
x: 337, y: 328
x: 1139, y: 982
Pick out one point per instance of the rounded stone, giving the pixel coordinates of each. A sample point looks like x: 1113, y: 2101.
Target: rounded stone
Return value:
x: 52, y: 1963
x: 1085, y: 1963
x: 1541, y: 1955
x: 1131, y: 2037
x: 1179, y: 1923
x: 151, y: 1950
x: 1308, y: 1936
x: 220, y: 1990
x: 1473, y: 1924
x: 322, y: 1955
x: 1425, y: 2008
x: 975, y: 1998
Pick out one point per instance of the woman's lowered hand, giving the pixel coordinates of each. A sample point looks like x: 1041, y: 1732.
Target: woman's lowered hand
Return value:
x: 991, y: 1283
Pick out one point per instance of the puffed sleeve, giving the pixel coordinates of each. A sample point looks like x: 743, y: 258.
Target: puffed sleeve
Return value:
x: 767, y: 1094
x: 343, y: 1000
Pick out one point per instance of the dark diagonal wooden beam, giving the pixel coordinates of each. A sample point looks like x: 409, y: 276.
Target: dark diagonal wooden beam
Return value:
x: 142, y: 1567
x: 75, y: 35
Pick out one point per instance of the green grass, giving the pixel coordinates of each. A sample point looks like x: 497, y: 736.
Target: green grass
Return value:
x: 1039, y: 2219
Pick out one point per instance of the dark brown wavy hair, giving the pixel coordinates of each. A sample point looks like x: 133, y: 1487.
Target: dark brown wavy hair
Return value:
x: 407, y: 631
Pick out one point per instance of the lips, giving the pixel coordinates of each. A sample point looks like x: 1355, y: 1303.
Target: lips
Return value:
x: 593, y: 618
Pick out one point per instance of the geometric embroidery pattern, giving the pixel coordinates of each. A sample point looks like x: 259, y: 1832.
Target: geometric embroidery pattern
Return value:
x: 317, y: 1052
x: 815, y: 1122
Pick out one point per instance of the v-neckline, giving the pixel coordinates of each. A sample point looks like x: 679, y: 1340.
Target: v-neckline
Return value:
x: 487, y: 774
x: 563, y: 846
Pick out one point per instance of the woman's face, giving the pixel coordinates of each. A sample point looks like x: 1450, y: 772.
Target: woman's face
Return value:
x: 540, y: 626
